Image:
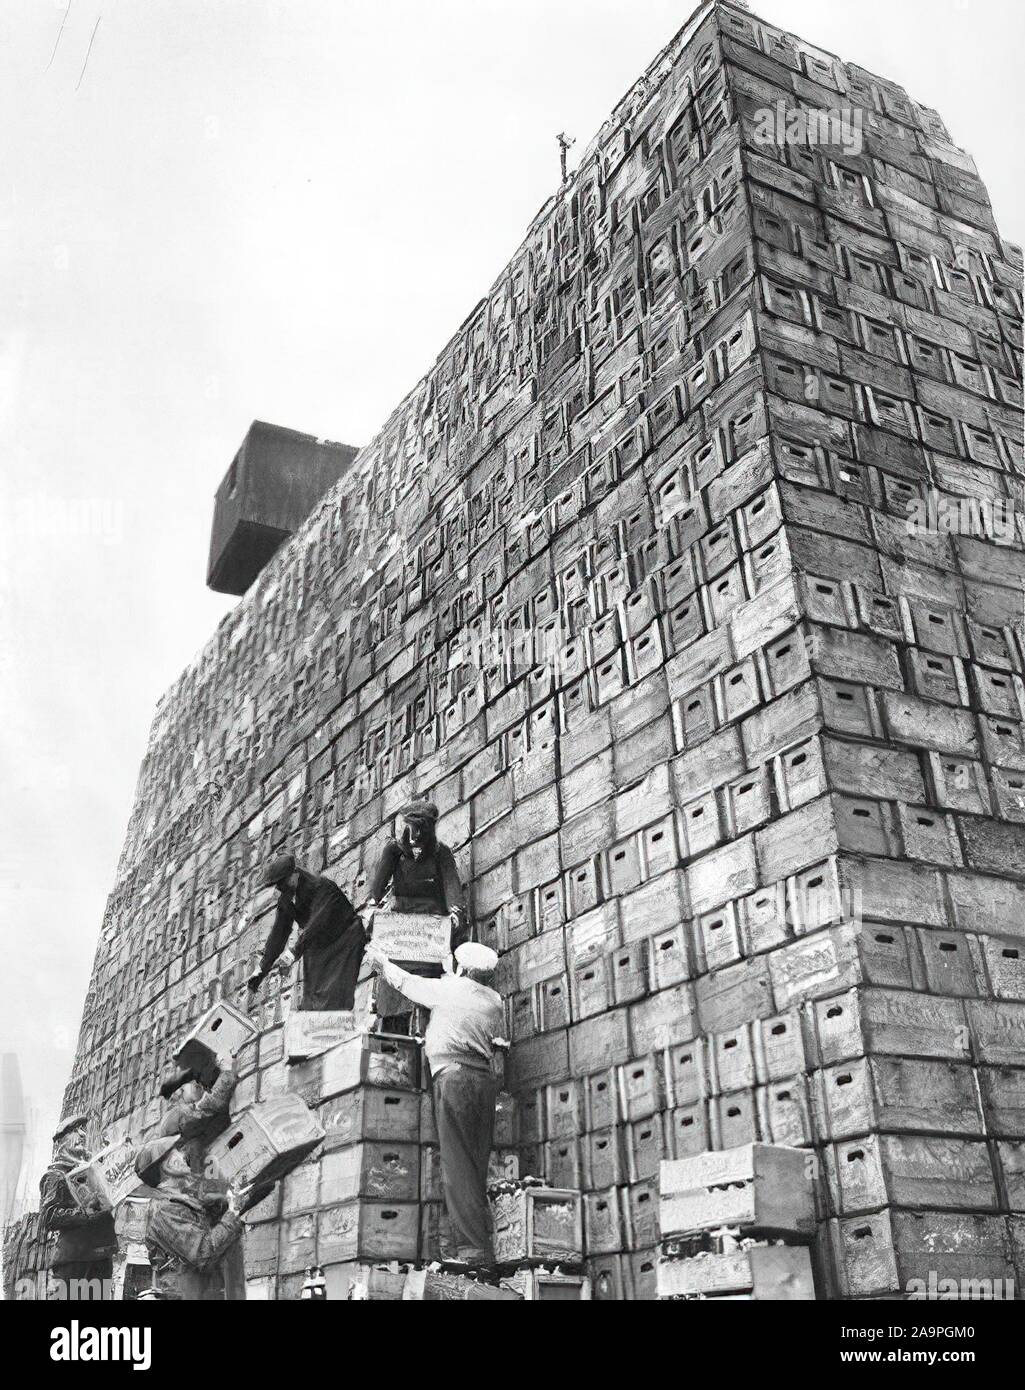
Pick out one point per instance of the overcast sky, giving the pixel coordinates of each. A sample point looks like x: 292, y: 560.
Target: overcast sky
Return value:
x: 215, y: 210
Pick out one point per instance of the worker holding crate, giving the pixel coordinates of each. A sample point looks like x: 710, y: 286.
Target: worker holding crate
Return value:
x: 459, y: 1045
x: 331, y: 936
x: 420, y: 873
x: 201, y: 1111
x: 86, y: 1242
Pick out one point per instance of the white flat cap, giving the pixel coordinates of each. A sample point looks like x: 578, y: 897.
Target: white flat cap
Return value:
x: 473, y: 955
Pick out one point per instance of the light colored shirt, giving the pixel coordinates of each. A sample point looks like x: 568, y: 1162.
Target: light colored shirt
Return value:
x: 466, y: 1017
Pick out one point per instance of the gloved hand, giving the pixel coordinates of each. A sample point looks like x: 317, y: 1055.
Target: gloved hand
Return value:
x: 255, y: 981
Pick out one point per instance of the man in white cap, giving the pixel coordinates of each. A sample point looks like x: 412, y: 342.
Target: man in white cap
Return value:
x: 466, y: 1019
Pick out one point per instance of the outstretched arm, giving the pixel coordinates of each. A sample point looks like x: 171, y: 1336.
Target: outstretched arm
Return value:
x: 277, y: 940
x: 416, y: 988
x: 192, y: 1118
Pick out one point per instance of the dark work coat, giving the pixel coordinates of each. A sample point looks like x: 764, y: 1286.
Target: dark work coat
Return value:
x: 330, y: 943
x: 82, y: 1236
x: 428, y: 884
x: 186, y: 1248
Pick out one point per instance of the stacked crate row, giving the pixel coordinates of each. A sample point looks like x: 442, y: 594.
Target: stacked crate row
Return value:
x: 895, y: 381
x: 736, y: 1224
x: 370, y: 1193
x: 626, y: 586
x: 368, y: 699
x: 866, y: 590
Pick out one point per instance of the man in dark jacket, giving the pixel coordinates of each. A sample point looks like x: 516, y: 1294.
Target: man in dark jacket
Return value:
x: 421, y: 873
x: 86, y: 1241
x: 187, y: 1249
x: 419, y: 869
x: 331, y: 937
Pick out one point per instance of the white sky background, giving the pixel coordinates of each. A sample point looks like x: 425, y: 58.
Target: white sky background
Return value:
x: 283, y: 211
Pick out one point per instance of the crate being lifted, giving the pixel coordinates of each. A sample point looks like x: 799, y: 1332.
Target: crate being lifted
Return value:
x: 106, y: 1179
x: 222, y: 1029
x: 265, y: 1142
x: 766, y: 1189
x: 413, y: 938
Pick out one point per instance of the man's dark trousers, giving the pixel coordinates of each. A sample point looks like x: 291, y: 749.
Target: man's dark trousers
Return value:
x: 464, y: 1113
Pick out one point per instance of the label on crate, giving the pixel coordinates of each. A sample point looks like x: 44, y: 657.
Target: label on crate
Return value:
x: 413, y: 936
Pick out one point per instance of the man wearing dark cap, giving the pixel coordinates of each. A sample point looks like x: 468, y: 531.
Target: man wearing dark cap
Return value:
x: 422, y: 876
x: 331, y: 937
x: 86, y: 1241
x: 186, y: 1248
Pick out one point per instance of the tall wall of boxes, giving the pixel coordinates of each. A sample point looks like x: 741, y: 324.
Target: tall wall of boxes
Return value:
x: 733, y: 755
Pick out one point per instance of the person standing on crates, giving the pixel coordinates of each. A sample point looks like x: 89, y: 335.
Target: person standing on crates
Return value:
x: 331, y: 936
x: 86, y: 1242
x: 187, y: 1249
x: 421, y: 874
x: 465, y: 1024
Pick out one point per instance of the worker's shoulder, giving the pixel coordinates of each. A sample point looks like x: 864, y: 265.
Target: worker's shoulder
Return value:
x: 52, y: 1178
x: 482, y: 995
x: 326, y: 887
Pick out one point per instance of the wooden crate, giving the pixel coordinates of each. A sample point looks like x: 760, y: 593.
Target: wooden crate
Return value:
x: 266, y: 1141
x: 367, y: 1231
x: 758, y: 1187
x: 437, y: 1286
x: 537, y: 1224
x: 765, y: 1272
x: 384, y: 1171
x: 413, y: 937
x: 106, y: 1179
x: 223, y: 1028
x: 308, y: 1032
x: 371, y: 1059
